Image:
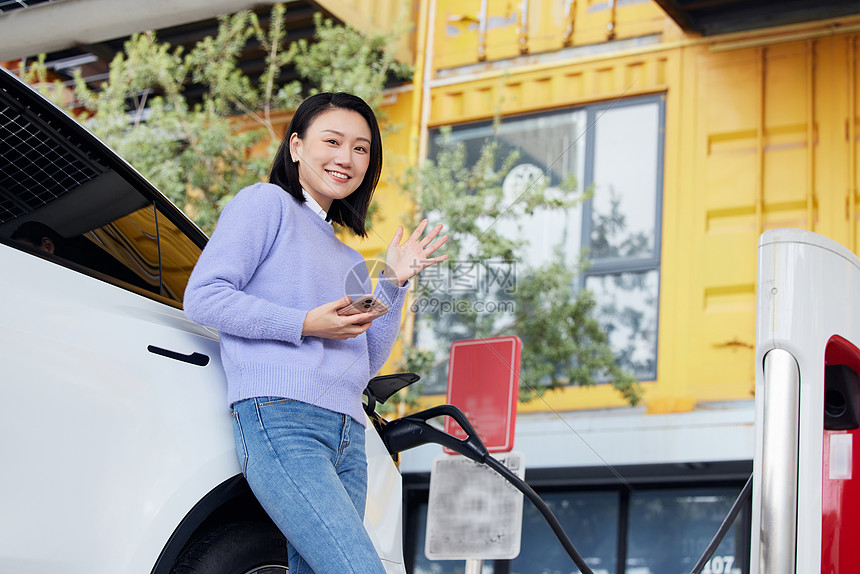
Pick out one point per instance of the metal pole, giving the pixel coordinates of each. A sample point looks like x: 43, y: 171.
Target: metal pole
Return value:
x: 474, y: 566
x: 482, y: 32
x: 780, y: 464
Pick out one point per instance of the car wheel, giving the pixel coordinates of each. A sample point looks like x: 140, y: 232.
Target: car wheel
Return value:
x: 237, y: 548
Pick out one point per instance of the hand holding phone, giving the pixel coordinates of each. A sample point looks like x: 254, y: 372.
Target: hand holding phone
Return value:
x: 337, y: 319
x: 364, y: 304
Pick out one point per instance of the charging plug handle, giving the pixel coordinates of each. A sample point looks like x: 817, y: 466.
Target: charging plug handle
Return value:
x: 413, y: 430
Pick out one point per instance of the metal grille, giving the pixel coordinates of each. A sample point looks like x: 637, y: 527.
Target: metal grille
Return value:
x: 9, y: 5
x: 36, y: 169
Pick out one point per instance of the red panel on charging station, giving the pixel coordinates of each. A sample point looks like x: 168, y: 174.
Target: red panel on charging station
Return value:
x: 840, y: 496
x: 483, y: 382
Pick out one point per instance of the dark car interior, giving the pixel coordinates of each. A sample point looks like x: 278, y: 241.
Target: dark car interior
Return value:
x: 99, y: 216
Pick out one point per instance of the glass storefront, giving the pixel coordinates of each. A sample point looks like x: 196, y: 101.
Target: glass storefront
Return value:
x: 654, y: 530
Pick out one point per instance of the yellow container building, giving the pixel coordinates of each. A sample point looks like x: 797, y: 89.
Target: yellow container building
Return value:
x: 698, y: 125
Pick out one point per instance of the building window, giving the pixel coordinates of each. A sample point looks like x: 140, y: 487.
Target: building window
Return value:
x: 615, y: 150
x: 621, y: 226
x: 590, y: 520
x: 669, y: 529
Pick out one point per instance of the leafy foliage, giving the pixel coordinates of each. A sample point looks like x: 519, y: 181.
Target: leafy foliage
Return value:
x: 341, y: 56
x: 563, y: 343
x: 201, y: 154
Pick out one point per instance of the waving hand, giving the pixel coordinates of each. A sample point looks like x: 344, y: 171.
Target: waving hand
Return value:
x: 414, y: 254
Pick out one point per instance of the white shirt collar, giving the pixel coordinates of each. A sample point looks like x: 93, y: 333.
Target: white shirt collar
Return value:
x: 311, y: 202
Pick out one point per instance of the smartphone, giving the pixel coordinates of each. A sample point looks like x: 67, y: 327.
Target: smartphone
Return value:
x: 364, y: 304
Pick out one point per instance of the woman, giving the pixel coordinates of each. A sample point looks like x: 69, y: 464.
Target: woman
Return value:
x: 271, y: 280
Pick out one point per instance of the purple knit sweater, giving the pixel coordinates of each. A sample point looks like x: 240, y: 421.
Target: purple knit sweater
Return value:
x: 269, y: 262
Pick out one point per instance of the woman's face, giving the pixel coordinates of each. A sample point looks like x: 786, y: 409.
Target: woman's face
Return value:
x: 333, y: 155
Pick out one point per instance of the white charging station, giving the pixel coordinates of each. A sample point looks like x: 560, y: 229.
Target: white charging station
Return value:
x: 807, y: 406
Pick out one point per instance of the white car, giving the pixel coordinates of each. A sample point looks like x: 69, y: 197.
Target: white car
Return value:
x: 118, y: 454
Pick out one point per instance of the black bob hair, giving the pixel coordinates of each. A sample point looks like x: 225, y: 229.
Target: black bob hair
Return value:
x: 351, y: 211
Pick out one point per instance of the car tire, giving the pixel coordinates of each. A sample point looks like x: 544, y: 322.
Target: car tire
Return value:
x: 236, y: 548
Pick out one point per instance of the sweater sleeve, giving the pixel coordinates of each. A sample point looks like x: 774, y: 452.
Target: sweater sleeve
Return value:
x: 383, y: 332
x: 214, y: 296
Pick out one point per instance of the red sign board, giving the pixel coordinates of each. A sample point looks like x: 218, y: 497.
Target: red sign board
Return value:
x: 483, y: 381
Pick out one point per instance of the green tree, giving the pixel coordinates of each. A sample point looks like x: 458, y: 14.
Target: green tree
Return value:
x: 341, y: 56
x: 563, y: 342
x: 195, y: 152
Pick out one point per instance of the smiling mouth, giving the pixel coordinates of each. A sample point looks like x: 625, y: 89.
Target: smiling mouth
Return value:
x: 338, y: 175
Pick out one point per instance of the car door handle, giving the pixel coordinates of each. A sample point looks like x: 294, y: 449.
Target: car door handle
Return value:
x: 195, y: 358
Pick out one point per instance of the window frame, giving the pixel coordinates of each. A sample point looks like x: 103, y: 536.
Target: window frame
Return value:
x: 617, y: 265
x: 609, y: 266
x: 620, y: 265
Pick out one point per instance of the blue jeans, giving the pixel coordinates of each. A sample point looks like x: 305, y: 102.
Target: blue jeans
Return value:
x: 307, y: 467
